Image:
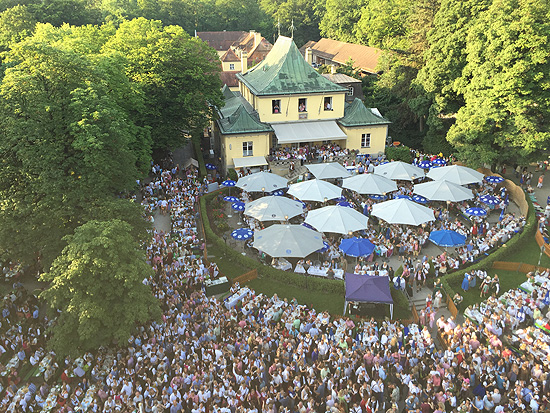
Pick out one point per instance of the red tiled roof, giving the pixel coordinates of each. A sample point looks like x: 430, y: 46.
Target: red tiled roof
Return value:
x: 364, y: 57
x: 221, y: 40
x: 230, y: 56
x: 229, y: 78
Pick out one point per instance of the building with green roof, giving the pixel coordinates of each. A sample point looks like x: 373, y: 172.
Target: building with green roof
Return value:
x: 284, y: 101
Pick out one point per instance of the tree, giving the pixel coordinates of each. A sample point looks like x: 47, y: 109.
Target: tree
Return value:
x: 16, y: 23
x: 340, y: 19
x: 97, y: 285
x: 177, y: 75
x: 384, y: 24
x: 505, y: 85
x: 67, y: 142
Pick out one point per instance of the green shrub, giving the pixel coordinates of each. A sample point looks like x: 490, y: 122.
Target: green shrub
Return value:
x: 399, y: 153
x: 200, y: 158
x: 232, y: 174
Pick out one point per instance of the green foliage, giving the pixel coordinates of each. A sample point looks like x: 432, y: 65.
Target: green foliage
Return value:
x: 96, y: 284
x: 341, y: 18
x: 16, y: 23
x: 504, y: 83
x: 67, y: 142
x: 232, y: 174
x: 176, y: 74
x: 200, y: 157
x: 399, y: 153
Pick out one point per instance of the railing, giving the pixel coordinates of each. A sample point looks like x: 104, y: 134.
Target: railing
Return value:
x: 246, y: 277
x: 451, y: 306
x: 540, y: 241
x: 414, y: 314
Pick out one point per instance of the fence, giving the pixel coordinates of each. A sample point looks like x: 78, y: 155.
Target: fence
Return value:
x: 540, y: 241
x: 246, y: 277
x: 515, y: 266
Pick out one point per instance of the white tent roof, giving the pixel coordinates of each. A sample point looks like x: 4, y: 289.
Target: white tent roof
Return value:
x: 458, y: 174
x: 273, y: 208
x: 288, y: 241
x: 249, y: 161
x: 399, y: 171
x: 403, y: 211
x: 370, y: 184
x: 262, y: 182
x: 338, y: 219
x: 328, y: 170
x: 315, y: 190
x: 293, y: 132
x: 443, y: 191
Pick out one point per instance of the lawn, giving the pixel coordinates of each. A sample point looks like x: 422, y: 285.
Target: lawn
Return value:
x: 529, y: 254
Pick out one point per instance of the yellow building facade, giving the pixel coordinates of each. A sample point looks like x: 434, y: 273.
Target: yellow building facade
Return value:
x: 284, y: 101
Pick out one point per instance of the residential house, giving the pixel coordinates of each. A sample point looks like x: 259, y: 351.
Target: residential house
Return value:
x: 238, y: 50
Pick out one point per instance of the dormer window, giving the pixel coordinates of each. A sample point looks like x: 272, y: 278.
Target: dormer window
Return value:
x: 302, y: 105
x: 276, y: 106
x: 328, y: 103
x: 231, y: 66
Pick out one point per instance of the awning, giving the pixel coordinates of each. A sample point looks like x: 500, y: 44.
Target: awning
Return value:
x: 249, y: 161
x: 323, y: 130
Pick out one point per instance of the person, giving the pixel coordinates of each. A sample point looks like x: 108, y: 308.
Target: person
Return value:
x: 457, y: 299
x: 302, y: 107
x: 466, y: 282
x: 276, y: 109
x: 541, y: 179
x: 485, y: 285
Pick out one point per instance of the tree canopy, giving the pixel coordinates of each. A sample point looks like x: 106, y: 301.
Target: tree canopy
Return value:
x: 97, y: 285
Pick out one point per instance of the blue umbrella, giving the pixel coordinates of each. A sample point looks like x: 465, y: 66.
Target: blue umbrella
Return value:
x: 210, y: 166
x: 231, y: 199
x: 278, y: 192
x: 304, y: 205
x: 447, y: 238
x: 420, y: 199
x: 402, y: 197
x: 356, y: 247
x: 325, y: 248
x: 340, y: 199
x: 242, y: 234
x: 425, y: 164
x: 378, y: 197
x: 345, y: 203
x: 489, y: 199
x: 493, y: 179
x: 476, y: 212
x: 238, y: 206
x: 308, y: 226
x: 229, y: 182
x: 439, y: 162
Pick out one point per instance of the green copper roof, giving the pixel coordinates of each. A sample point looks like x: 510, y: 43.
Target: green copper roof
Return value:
x: 284, y: 71
x: 357, y: 114
x: 233, y: 102
x: 242, y: 122
x: 227, y: 93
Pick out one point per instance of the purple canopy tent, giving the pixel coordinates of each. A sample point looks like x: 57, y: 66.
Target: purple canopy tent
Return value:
x: 368, y: 289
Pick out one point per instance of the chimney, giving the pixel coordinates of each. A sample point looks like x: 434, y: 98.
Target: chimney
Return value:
x: 332, y: 69
x: 244, y: 61
x: 309, y: 55
x: 257, y: 38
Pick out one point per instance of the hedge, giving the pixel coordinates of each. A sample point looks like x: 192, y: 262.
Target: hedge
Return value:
x: 232, y: 174
x: 200, y: 158
x: 454, y: 279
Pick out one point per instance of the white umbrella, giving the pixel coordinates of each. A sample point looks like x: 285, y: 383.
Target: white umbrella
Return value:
x: 262, y: 182
x: 370, y: 184
x: 399, y: 171
x: 338, y: 219
x: 273, y: 208
x: 328, y: 170
x: 403, y: 211
x: 457, y: 174
x: 443, y: 191
x: 288, y: 241
x: 315, y: 190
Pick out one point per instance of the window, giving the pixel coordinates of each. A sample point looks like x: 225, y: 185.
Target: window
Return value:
x: 247, y: 148
x: 276, y: 106
x: 328, y: 103
x: 302, y: 105
x: 365, y: 140
x: 231, y: 66
x: 351, y: 91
